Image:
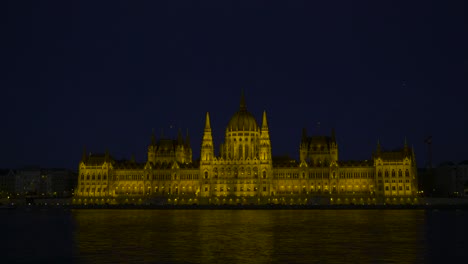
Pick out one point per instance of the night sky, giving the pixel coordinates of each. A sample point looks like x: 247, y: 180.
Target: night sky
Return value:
x: 104, y: 74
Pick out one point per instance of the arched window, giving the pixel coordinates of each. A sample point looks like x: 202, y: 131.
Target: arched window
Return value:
x: 386, y: 174
x: 393, y: 173
x: 264, y: 174
x: 94, y: 177
x: 82, y: 176
x: 400, y: 173
x: 99, y: 176
x: 379, y: 173
x: 206, y: 175
x: 407, y: 173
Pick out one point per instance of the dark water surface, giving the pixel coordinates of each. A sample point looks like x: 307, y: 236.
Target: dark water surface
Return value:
x: 234, y: 236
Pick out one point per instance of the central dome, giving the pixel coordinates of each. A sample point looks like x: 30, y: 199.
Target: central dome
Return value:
x: 242, y: 119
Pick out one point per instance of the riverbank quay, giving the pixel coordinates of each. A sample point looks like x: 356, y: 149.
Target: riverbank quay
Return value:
x: 426, y: 203
x: 463, y: 207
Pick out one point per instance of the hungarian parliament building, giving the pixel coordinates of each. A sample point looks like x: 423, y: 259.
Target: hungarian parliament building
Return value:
x: 245, y: 172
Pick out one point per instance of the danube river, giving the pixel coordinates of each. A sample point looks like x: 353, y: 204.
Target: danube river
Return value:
x: 233, y: 236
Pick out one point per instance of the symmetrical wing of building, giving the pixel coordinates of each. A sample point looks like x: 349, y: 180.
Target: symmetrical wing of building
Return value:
x: 246, y: 173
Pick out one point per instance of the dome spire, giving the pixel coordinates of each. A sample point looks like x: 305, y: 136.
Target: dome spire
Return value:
x: 243, y: 106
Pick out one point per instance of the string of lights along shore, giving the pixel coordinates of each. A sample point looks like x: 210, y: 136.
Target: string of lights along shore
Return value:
x: 246, y: 173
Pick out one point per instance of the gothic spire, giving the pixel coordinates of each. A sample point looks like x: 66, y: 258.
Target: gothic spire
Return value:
x: 207, y: 152
x: 207, y: 121
x: 333, y: 135
x: 179, y: 137
x: 264, y: 121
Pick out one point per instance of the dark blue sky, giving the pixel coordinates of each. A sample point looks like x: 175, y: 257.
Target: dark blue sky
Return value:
x: 103, y: 74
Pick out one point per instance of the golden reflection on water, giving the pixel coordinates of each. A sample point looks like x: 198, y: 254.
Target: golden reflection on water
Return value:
x: 250, y: 236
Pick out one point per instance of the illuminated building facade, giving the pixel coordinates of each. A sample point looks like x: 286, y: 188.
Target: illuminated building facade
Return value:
x: 246, y: 173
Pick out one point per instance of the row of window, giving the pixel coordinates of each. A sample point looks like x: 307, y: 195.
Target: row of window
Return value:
x: 394, y: 181
x: 235, y: 169
x: 92, y: 189
x: 287, y: 175
x: 243, y: 134
x: 357, y: 175
x: 400, y: 173
x: 236, y: 175
x: 400, y: 188
x: 93, y: 177
x: 234, y: 189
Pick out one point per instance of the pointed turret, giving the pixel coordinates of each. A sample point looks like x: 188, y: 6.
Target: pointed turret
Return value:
x: 405, y: 148
x: 151, y: 157
x: 333, y: 147
x: 264, y: 121
x: 207, y: 121
x: 180, y: 141
x: 180, y: 148
x: 187, y: 139
x: 188, y: 149
x: 303, y: 147
x: 207, y: 150
x: 265, y: 144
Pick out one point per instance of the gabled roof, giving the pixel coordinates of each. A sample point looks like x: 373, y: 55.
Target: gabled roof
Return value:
x: 398, y: 154
x: 96, y: 159
x: 318, y: 140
